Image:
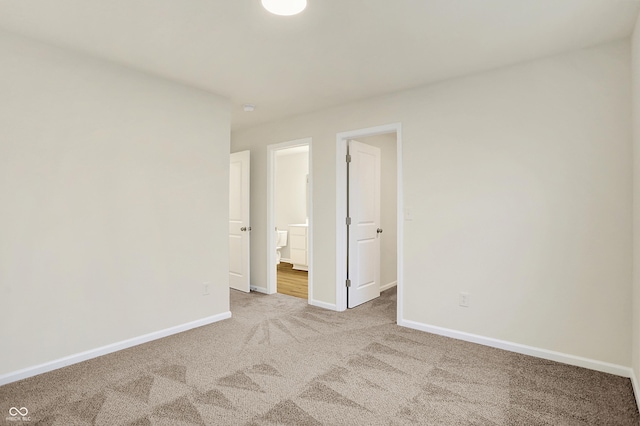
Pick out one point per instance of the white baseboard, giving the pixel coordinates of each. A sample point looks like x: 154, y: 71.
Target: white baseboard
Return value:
x: 285, y: 260
x: 260, y: 289
x: 636, y: 387
x: 577, y: 361
x: 324, y: 305
x: 104, y: 350
x: 388, y: 286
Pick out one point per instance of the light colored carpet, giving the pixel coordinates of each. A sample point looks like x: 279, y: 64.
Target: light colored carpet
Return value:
x: 279, y: 361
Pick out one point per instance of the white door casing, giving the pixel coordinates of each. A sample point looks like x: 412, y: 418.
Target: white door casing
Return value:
x: 271, y: 223
x: 239, y: 229
x: 364, y: 211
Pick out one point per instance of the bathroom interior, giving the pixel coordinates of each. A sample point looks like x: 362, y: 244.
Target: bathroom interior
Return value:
x: 291, y: 218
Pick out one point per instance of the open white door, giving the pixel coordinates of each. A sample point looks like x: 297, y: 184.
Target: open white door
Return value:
x: 364, y: 231
x: 239, y: 229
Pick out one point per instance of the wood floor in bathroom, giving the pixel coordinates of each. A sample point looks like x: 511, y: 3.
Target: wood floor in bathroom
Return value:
x: 292, y: 282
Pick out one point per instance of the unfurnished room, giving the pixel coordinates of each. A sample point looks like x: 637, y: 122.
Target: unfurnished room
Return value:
x: 320, y: 212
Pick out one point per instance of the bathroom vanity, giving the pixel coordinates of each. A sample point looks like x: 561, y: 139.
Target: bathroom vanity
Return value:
x: 298, y: 246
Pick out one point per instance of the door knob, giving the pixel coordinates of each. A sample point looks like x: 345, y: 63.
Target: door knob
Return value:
x: 244, y: 228
x: 379, y: 231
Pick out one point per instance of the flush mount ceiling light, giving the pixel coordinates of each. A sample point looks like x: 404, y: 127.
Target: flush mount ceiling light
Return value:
x: 284, y: 7
x: 248, y: 107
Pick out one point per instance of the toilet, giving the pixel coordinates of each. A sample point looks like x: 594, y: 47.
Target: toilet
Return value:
x: 281, y: 241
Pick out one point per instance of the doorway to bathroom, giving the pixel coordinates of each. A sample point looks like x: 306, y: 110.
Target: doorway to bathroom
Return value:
x: 289, y: 222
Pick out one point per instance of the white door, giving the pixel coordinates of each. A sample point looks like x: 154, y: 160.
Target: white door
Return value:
x: 364, y: 231
x: 239, y: 229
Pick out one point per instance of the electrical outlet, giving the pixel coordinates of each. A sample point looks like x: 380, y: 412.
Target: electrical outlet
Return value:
x: 205, y: 289
x: 464, y: 299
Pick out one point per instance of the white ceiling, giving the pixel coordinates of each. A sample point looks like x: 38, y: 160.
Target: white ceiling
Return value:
x: 335, y: 52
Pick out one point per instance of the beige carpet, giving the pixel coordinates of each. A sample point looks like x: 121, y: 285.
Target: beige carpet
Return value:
x: 281, y: 362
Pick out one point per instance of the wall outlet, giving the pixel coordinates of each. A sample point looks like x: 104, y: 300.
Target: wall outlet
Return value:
x: 205, y: 289
x: 464, y: 299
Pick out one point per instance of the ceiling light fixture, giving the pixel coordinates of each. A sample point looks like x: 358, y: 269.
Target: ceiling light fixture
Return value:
x: 284, y: 7
x: 248, y: 107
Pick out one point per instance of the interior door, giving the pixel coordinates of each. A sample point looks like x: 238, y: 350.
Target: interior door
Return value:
x: 363, y: 179
x: 239, y: 228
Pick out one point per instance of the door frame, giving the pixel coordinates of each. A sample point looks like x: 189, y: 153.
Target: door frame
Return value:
x: 341, y: 209
x: 271, y: 189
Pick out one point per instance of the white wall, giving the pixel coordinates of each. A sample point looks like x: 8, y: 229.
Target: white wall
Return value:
x: 388, y: 205
x: 635, y: 72
x: 290, y: 191
x: 519, y: 180
x: 114, y: 189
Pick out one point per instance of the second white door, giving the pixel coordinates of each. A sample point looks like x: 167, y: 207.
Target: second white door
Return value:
x: 364, y: 230
x: 239, y: 228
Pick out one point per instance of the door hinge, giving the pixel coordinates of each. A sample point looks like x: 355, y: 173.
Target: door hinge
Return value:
x: 348, y: 158
x: 348, y: 283
x: 348, y: 221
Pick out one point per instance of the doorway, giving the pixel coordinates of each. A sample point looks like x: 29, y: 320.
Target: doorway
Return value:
x: 289, y: 221
x: 388, y: 140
